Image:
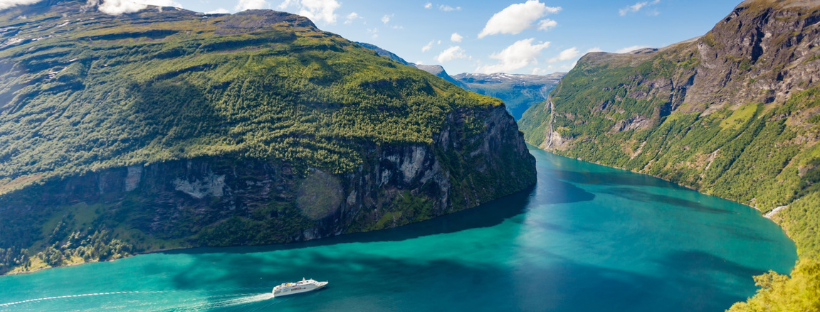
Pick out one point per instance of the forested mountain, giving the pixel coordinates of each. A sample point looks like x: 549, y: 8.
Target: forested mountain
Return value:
x: 734, y: 113
x: 169, y: 129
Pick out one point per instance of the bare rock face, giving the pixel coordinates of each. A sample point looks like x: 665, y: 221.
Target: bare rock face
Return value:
x: 763, y: 51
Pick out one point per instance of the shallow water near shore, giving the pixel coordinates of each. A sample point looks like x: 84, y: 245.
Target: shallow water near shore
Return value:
x: 585, y: 238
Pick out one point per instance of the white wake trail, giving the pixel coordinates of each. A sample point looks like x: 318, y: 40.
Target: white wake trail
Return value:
x: 78, y: 296
x: 227, y: 303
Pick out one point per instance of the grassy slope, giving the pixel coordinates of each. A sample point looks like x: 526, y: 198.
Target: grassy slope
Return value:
x: 84, y: 91
x: 111, y: 92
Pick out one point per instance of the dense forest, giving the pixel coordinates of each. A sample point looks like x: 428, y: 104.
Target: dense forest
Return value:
x: 735, y: 114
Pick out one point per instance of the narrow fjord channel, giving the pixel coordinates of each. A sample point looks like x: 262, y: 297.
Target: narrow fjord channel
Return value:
x: 585, y: 238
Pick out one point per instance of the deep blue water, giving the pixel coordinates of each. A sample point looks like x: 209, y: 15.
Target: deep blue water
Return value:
x: 585, y: 238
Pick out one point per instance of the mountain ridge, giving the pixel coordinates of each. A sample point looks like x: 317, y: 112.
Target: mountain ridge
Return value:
x: 165, y: 129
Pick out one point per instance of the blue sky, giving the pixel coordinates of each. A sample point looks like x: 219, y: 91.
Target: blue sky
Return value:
x: 518, y: 36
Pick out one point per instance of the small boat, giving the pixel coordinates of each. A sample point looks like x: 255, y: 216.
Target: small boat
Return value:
x: 298, y: 287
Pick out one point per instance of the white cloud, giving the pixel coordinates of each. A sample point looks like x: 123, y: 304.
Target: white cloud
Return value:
x: 447, y: 8
x: 565, y: 55
x: 630, y: 49
x: 316, y: 10
x: 519, y: 55
x: 455, y: 37
x: 243, y: 5
x: 320, y: 9
x: 428, y: 5
x: 546, y: 24
x: 450, y: 54
x: 352, y: 17
x: 218, y: 11
x: 386, y: 19
x: 439, y: 42
x: 117, y: 7
x: 595, y: 49
x: 638, y: 6
x: 5, y: 4
x: 517, y: 17
x: 374, y: 32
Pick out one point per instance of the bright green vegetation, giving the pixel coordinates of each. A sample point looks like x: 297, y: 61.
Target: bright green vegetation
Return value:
x: 800, y: 220
x: 781, y: 293
x: 83, y: 94
x: 94, y: 96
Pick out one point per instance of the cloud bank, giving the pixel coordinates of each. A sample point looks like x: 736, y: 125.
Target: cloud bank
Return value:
x: 565, y: 55
x: 519, y: 55
x: 316, y: 10
x: 517, y: 17
x: 112, y: 7
x: 450, y: 54
x: 118, y: 7
x: 5, y: 4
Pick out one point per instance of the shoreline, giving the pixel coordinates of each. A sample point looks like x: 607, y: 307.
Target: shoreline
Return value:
x: 98, y: 261
x: 538, y: 148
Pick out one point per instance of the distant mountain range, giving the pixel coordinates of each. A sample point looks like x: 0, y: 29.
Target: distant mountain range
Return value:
x: 519, y: 92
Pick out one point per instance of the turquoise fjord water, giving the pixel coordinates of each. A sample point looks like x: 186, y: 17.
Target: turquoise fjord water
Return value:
x: 585, y: 238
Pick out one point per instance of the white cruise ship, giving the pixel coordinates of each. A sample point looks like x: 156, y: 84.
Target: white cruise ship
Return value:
x: 298, y: 287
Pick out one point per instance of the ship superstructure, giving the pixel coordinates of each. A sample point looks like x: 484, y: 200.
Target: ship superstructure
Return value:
x: 298, y: 287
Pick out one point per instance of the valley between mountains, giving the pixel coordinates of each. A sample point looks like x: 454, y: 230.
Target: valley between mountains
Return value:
x: 169, y: 129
